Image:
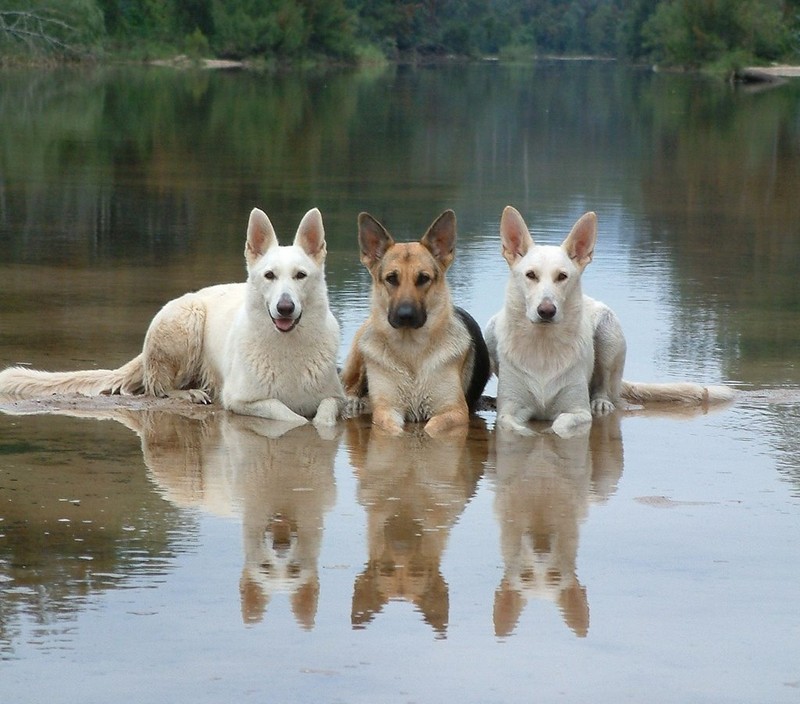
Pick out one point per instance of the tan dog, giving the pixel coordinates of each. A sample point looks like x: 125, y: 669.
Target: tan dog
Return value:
x: 417, y: 357
x: 414, y: 489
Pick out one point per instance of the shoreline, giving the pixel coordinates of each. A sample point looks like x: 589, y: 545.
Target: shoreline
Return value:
x: 768, y: 74
x: 108, y: 405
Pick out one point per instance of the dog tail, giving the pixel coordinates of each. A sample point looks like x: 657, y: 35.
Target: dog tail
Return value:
x: 680, y: 392
x: 481, y: 364
x: 31, y: 383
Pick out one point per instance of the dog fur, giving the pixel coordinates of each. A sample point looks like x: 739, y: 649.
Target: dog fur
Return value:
x: 417, y: 357
x: 266, y: 347
x: 414, y: 488
x: 558, y: 354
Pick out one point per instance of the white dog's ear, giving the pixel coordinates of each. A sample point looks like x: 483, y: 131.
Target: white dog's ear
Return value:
x: 440, y: 239
x: 579, y: 244
x: 311, y: 235
x: 373, y: 239
x: 514, y: 235
x: 260, y: 236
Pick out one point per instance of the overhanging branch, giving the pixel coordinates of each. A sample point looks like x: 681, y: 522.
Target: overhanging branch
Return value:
x: 37, y: 30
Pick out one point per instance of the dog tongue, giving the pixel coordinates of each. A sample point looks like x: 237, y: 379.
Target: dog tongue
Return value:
x: 283, y: 324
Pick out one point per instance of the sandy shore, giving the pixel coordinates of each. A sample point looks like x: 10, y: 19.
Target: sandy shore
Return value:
x: 183, y: 61
x: 769, y: 74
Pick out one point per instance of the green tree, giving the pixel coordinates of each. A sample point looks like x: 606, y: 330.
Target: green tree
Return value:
x: 678, y: 32
x: 281, y: 28
x: 698, y: 32
x: 633, y: 17
x: 435, y: 27
x: 331, y: 28
x: 139, y: 19
x: 394, y: 25
x: 191, y: 15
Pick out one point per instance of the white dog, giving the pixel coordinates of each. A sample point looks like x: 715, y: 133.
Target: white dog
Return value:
x: 266, y: 347
x: 559, y: 355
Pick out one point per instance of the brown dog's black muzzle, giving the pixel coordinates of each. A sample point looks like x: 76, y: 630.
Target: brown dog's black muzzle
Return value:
x: 407, y: 315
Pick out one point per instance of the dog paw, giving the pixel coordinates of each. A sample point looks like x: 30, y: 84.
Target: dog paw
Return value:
x: 601, y: 406
x: 200, y: 396
x: 446, y: 426
x: 287, y: 416
x: 328, y: 432
x: 509, y: 422
x: 327, y: 413
x: 192, y: 395
x: 389, y: 423
x: 355, y: 406
x: 447, y: 433
x: 568, y: 425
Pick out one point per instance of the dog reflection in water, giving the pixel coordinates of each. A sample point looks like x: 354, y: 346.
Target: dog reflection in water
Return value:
x: 287, y: 486
x: 543, y: 486
x: 413, y: 488
x: 279, y: 476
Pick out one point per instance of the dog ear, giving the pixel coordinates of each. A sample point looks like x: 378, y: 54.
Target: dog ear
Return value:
x: 508, y: 605
x: 575, y: 608
x: 440, y: 239
x: 514, y: 235
x: 579, y: 244
x: 311, y: 236
x: 304, y: 603
x: 260, y: 236
x: 373, y: 239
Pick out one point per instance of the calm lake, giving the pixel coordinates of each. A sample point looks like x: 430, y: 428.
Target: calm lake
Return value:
x: 148, y: 556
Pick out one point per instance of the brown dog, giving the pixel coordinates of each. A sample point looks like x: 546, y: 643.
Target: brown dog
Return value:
x: 417, y: 356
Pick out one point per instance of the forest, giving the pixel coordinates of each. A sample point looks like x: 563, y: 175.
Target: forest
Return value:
x: 673, y: 33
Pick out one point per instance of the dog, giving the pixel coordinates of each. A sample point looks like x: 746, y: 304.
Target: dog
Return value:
x: 265, y: 348
x: 287, y: 486
x: 277, y: 477
x: 543, y: 488
x: 417, y: 357
x: 558, y: 354
x: 414, y: 489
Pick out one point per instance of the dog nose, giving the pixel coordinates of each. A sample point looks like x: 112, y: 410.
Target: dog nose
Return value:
x: 546, y: 310
x: 404, y: 312
x: 285, y: 306
x: 407, y: 315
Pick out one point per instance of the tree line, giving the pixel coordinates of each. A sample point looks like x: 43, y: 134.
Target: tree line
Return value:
x: 686, y: 33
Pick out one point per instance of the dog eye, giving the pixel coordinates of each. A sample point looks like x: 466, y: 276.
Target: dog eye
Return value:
x: 423, y: 279
x: 392, y: 279
x: 300, y: 275
x: 269, y: 275
x: 532, y: 275
x: 562, y: 276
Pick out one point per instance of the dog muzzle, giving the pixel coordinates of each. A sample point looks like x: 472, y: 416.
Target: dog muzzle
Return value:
x: 285, y: 320
x: 407, y: 315
x: 285, y: 324
x: 546, y: 311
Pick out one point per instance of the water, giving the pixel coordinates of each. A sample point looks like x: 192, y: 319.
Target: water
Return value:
x: 148, y: 556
